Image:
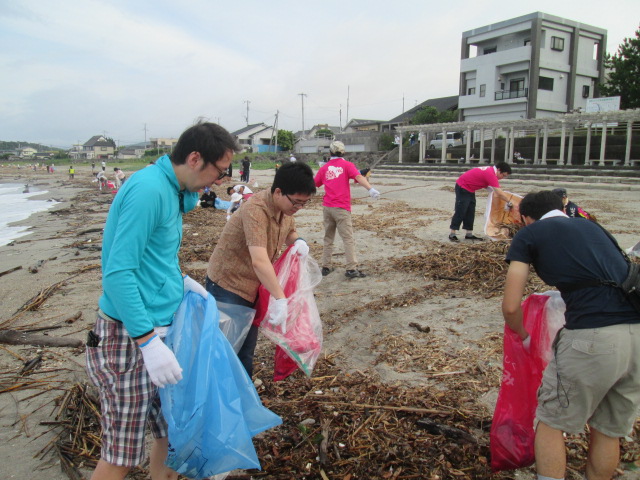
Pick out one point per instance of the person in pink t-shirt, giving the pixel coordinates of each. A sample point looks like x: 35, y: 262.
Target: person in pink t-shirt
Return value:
x: 335, y: 176
x: 466, y: 186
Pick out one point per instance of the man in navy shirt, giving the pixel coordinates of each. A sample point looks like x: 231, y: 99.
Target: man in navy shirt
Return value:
x: 594, y: 375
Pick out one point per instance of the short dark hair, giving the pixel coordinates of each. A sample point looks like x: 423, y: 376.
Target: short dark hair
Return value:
x: 292, y: 178
x: 504, y: 167
x: 229, y: 190
x: 209, y: 139
x: 536, y: 204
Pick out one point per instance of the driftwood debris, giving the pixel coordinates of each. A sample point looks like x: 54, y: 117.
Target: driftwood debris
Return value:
x: 10, y: 270
x: 436, y: 428
x: 15, y: 337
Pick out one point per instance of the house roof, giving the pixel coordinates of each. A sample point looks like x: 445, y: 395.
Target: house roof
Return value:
x: 357, y: 122
x: 98, y: 141
x: 441, y: 104
x: 248, y: 128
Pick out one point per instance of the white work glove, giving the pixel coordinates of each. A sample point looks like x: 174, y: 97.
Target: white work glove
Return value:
x: 278, y: 316
x: 228, y: 217
x: 190, y: 285
x: 300, y: 247
x: 526, y: 343
x: 160, y: 362
x: 508, y: 206
x: 373, y: 193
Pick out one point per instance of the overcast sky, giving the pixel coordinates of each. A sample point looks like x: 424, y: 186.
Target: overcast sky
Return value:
x: 71, y: 69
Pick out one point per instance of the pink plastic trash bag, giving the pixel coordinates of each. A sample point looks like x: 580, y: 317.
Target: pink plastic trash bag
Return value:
x: 300, y: 344
x: 512, y: 434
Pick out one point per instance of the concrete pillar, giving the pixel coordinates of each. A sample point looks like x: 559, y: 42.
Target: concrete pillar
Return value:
x: 469, y: 142
x: 570, y: 152
x: 443, y: 157
x: 545, y: 143
x: 562, y: 135
x: 536, y: 150
x: 493, y: 146
x: 481, y: 154
x: 512, y: 142
x: 627, y: 150
x: 506, y: 147
x: 400, y: 149
x: 603, y: 142
x: 421, y: 147
x: 587, y: 145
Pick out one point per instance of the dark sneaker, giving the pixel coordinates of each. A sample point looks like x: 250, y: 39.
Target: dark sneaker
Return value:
x: 326, y: 271
x: 473, y: 237
x: 453, y: 237
x: 355, y: 274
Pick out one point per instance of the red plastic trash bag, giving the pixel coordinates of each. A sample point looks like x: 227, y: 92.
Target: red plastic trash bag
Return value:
x: 300, y: 344
x: 512, y: 430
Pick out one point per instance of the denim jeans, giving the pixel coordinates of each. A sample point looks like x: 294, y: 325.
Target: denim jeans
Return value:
x: 248, y: 348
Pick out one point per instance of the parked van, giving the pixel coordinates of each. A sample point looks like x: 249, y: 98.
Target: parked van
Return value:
x: 453, y: 140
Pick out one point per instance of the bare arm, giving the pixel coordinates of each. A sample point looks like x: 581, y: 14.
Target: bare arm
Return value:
x: 363, y: 181
x: 501, y: 194
x: 292, y: 237
x: 265, y: 272
x: 513, y: 291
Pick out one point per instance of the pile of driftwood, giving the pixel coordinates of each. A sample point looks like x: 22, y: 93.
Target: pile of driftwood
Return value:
x: 478, y: 268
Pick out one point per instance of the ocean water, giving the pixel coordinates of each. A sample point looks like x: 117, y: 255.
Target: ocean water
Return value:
x: 15, y: 206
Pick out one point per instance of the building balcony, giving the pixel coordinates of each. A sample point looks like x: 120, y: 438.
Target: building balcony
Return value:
x: 507, y: 94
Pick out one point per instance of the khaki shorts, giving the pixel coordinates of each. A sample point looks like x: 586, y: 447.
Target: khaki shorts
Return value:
x: 593, y: 378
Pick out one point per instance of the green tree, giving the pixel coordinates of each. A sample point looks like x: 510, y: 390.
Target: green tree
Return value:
x: 624, y: 78
x: 324, y: 133
x: 385, y: 142
x: 285, y: 139
x: 428, y: 115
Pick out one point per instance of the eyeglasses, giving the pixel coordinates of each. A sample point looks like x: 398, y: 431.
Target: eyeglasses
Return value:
x: 223, y: 173
x: 298, y: 203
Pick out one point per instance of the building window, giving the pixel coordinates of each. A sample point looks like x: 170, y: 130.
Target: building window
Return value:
x: 527, y: 41
x: 471, y: 91
x: 557, y: 43
x: 545, y: 83
x: 489, y: 50
x: 585, y: 91
x: 483, y: 90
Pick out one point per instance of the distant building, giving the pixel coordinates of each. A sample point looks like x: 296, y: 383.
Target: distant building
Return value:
x: 534, y: 66
x: 27, y: 152
x: 164, y: 144
x: 98, y: 147
x: 251, y: 137
x: 442, y: 104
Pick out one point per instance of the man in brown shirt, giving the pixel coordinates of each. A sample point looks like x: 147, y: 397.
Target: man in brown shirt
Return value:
x: 252, y: 240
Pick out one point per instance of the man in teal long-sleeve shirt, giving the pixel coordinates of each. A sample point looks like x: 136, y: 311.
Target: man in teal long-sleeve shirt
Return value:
x: 142, y: 288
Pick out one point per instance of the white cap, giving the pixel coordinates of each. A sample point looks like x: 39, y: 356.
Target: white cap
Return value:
x: 336, y: 147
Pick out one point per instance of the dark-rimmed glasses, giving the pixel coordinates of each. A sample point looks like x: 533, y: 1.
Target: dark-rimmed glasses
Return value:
x: 298, y: 203
x: 223, y: 173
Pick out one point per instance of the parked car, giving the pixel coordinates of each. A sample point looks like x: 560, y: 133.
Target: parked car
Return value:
x: 453, y: 140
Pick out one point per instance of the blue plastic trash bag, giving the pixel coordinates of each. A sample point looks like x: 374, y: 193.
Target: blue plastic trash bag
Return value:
x: 213, y: 412
x: 235, y: 321
x: 221, y: 204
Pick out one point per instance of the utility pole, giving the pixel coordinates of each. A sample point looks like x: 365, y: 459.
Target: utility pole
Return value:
x: 348, y: 89
x: 145, y: 136
x: 247, y: 117
x: 340, y: 117
x: 302, y: 95
x: 276, y: 130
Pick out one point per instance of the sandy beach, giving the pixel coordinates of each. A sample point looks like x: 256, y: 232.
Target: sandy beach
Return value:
x: 411, y: 334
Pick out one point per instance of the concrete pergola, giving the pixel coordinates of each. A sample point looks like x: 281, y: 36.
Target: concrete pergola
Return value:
x: 566, y: 123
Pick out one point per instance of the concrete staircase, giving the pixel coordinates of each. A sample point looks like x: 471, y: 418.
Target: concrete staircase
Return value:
x: 578, y: 176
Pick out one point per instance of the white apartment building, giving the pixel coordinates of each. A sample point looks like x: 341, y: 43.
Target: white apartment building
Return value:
x: 534, y: 66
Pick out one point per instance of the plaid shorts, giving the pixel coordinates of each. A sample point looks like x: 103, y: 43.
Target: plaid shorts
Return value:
x: 128, y: 398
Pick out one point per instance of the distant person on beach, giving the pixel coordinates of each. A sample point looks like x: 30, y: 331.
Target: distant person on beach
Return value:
x: 119, y: 177
x: 101, y: 178
x: 252, y: 240
x: 142, y: 287
x: 292, y: 159
x: 335, y: 176
x: 208, y: 198
x: 72, y: 172
x: 243, y: 190
x: 571, y: 209
x: 104, y: 166
x: 93, y: 166
x: 466, y: 186
x: 246, y: 168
